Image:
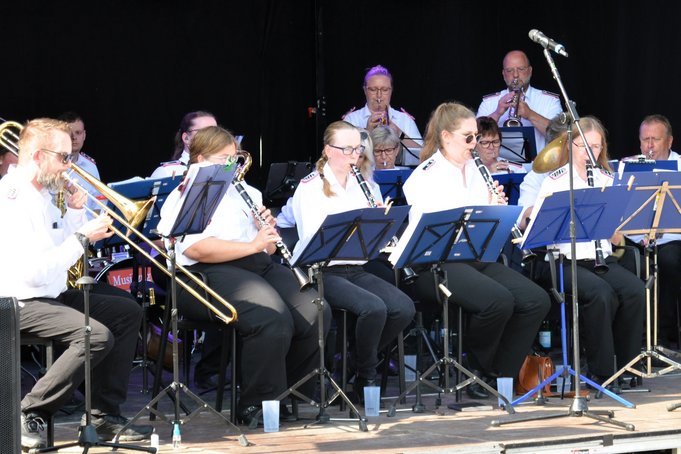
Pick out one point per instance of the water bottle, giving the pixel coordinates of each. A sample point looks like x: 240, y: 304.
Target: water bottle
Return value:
x: 177, y: 436
x: 545, y: 335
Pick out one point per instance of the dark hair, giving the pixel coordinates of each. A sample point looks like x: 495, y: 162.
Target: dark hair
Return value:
x: 185, y: 125
x: 70, y: 117
x: 488, y: 127
x: 657, y: 118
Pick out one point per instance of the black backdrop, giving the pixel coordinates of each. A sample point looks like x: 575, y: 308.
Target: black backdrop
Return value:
x: 132, y: 69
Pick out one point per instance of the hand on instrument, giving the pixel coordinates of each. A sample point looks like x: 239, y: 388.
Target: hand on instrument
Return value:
x: 524, y: 110
x: 504, y: 103
x: 266, y: 238
x: 266, y: 214
x: 77, y: 196
x: 377, y: 119
x: 98, y: 228
x: 501, y: 198
x: 500, y: 166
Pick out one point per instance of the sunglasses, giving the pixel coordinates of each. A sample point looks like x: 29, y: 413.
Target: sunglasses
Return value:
x: 469, y: 137
x: 66, y: 158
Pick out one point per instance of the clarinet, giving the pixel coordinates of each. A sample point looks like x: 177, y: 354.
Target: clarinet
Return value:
x: 528, y: 255
x: 408, y: 274
x: 600, y: 267
x: 302, y: 278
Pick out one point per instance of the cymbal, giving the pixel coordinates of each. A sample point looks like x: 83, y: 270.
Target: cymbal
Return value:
x: 548, y: 158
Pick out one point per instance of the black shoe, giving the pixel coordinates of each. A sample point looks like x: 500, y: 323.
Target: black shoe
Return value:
x: 475, y: 389
x: 108, y: 426
x: 33, y: 435
x: 286, y: 415
x: 205, y: 381
x: 246, y: 415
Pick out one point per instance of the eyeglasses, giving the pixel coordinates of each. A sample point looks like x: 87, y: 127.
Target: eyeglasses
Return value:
x: 490, y: 143
x: 349, y: 150
x: 225, y: 160
x: 65, y: 157
x: 469, y: 137
x: 379, y: 89
x: 385, y: 150
x: 520, y: 69
x: 594, y: 147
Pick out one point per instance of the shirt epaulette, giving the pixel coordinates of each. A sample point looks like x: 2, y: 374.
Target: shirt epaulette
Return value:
x: 550, y: 93
x: 11, y: 193
x: 309, y: 177
x: 407, y: 113
x: 558, y: 173
x: 491, y: 95
x: 170, y: 163
x: 429, y: 164
x: 348, y: 112
x: 89, y: 158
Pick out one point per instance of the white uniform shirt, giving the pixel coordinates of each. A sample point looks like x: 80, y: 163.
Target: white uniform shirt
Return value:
x: 437, y: 185
x: 667, y: 237
x: 172, y: 168
x: 529, y: 188
x: 39, y: 245
x: 88, y: 164
x: 232, y: 221
x: 559, y: 180
x: 545, y: 103
x: 403, y: 120
x: 311, y: 205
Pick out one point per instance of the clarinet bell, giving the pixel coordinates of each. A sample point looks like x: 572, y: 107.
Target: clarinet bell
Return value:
x: 409, y: 276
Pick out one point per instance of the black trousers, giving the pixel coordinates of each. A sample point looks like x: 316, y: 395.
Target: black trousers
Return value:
x: 611, y: 312
x: 382, y: 311
x: 505, y: 310
x: 115, y: 321
x: 277, y: 322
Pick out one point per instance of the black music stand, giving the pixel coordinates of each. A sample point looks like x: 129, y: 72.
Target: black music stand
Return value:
x: 88, y: 437
x: 283, y: 179
x: 201, y: 193
x: 518, y: 143
x: 352, y: 235
x: 391, y: 182
x: 476, y: 233
x: 648, y: 213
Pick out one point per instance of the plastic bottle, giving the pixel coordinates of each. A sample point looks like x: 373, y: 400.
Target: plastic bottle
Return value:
x: 177, y: 436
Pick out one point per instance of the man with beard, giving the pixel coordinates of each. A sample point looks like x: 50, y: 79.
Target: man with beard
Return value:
x: 34, y: 267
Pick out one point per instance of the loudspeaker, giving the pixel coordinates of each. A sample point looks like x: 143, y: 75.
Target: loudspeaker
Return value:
x: 10, y: 384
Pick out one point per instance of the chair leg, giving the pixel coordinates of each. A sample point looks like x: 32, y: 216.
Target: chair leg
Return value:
x: 235, y: 362
x: 224, y: 359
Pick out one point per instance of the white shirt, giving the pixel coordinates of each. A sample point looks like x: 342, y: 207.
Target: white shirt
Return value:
x: 437, y: 185
x: 545, y: 103
x: 403, y: 120
x: 559, y: 180
x: 39, y: 245
x: 311, y: 205
x: 172, y: 168
x: 529, y: 188
x: 232, y: 221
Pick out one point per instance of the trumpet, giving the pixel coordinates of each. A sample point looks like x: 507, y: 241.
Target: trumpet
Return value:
x: 301, y: 277
x: 132, y: 214
x: 513, y: 118
x: 600, y: 267
x: 528, y: 255
x: 408, y: 274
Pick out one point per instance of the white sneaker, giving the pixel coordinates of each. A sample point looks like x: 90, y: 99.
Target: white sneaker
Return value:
x: 33, y: 435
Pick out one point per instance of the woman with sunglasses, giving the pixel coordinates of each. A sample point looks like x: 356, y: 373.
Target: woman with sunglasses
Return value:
x: 505, y: 308
x: 382, y: 310
x: 277, y: 321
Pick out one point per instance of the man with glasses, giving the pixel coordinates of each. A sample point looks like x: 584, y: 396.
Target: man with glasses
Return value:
x: 82, y: 160
x: 535, y: 107
x: 34, y: 267
x: 378, y: 88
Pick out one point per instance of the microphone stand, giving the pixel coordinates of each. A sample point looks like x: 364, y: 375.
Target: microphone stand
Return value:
x: 579, y: 406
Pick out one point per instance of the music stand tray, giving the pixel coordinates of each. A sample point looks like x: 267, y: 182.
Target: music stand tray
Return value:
x: 352, y: 235
x: 476, y: 233
x: 391, y: 182
x: 519, y: 143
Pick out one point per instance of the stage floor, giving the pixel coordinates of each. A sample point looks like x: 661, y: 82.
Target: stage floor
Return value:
x: 437, y: 430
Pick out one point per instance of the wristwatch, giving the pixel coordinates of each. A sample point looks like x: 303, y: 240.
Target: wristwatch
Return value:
x: 82, y: 239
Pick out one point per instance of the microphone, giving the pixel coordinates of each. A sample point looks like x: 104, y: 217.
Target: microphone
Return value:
x: 540, y: 38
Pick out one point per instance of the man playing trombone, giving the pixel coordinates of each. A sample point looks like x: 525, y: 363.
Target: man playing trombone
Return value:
x: 34, y: 269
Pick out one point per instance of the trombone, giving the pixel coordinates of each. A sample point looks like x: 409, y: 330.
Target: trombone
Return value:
x: 133, y: 214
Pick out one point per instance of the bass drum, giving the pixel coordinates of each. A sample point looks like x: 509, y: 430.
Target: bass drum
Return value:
x: 119, y: 274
